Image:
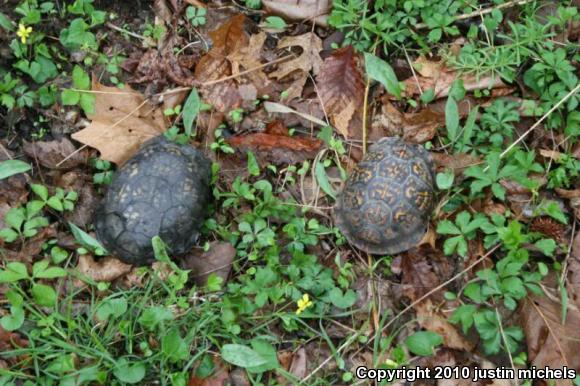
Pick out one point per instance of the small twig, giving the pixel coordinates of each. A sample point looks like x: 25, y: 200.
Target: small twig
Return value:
x: 119, y: 29
x: 481, y: 12
x: 505, y: 341
x: 5, y: 151
x: 364, y: 123
x: 535, y: 125
x: 212, y: 82
x: 413, y: 71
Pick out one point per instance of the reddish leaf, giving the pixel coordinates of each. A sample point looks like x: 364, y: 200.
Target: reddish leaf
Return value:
x: 341, y: 88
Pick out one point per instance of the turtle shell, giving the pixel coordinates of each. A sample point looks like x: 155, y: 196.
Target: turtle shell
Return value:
x: 163, y: 190
x: 386, y: 202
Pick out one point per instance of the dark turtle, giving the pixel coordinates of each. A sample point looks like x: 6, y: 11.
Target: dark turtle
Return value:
x: 385, y: 205
x: 163, y: 190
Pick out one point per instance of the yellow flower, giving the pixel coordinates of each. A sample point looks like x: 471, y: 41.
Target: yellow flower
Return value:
x: 304, y: 303
x: 23, y: 32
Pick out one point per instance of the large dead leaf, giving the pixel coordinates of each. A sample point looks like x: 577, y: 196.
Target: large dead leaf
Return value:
x: 276, y: 146
x: 430, y: 318
x: 50, y: 153
x: 309, y: 60
x: 122, y: 121
x: 106, y: 269
x: 341, y: 89
x: 218, y: 259
x: 551, y: 342
x: 228, y: 40
x: 249, y: 58
x: 413, y: 127
x: 438, y: 77
x: 300, y: 10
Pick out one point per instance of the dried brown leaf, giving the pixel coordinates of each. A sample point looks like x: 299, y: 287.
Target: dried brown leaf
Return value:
x: 299, y: 364
x: 123, y: 120
x: 50, y: 153
x: 413, y: 127
x: 218, y: 259
x: 341, y: 89
x: 436, y: 76
x: 229, y: 39
x: 430, y: 318
x: 300, y: 10
x: 106, y: 269
x: 309, y: 60
x: 551, y: 342
x: 220, y: 376
x: 278, y: 149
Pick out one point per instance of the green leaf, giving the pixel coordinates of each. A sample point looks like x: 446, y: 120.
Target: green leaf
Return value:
x: 40, y: 190
x: 379, y: 70
x: 129, y: 373
x: 14, y: 272
x: 452, y: 119
x: 423, y: 343
x: 55, y: 204
x: 322, y: 179
x: 445, y: 179
x: 266, y: 351
x: 152, y: 317
x: 43, y: 295
x: 70, y: 97
x: 342, y: 301
x: 242, y: 356
x: 13, y: 321
x: 15, y: 217
x: 52, y: 273
x: 6, y: 23
x: 275, y: 22
x: 446, y: 227
x: 80, y: 78
x: 547, y: 246
x: 111, y: 307
x: 190, y: 110
x: 8, y: 235
x: 253, y: 167
x: 87, y: 103
x: 174, y: 347
x: 62, y: 364
x: 84, y: 238
x: 11, y: 167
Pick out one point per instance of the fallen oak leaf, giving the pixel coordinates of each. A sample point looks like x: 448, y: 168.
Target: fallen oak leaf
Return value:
x: 341, y: 88
x: 228, y: 39
x: 309, y: 60
x: 122, y: 121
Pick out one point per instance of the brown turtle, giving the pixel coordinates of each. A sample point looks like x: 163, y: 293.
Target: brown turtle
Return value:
x: 385, y: 205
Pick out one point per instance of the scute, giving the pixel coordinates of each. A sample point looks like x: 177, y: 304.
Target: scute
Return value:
x: 393, y: 187
x: 162, y: 190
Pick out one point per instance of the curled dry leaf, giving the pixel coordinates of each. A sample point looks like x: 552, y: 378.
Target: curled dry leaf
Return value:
x: 430, y: 318
x: 413, y: 127
x: 550, y: 341
x: 122, y: 121
x: 50, y: 153
x: 439, y: 78
x: 276, y: 147
x: 341, y: 89
x: 218, y: 259
x: 228, y: 40
x: 457, y: 162
x: 220, y: 376
x: 299, y: 364
x: 299, y: 10
x: 106, y: 269
x: 309, y: 60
